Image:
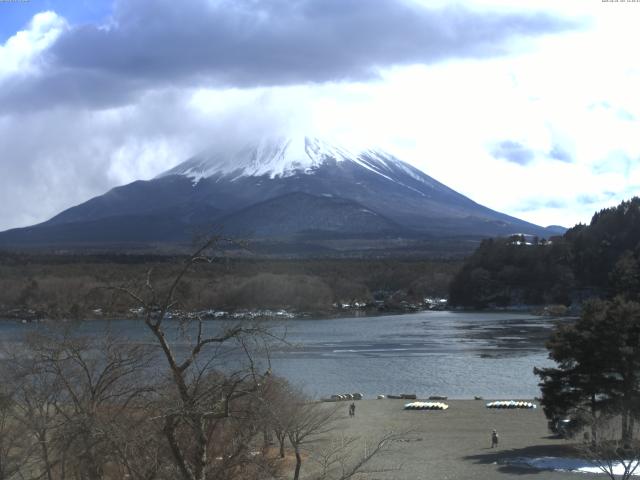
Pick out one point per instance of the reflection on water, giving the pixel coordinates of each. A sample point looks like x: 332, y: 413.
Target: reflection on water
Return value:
x: 446, y: 353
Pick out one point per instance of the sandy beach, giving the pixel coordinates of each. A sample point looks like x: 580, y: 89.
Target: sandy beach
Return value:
x: 455, y: 443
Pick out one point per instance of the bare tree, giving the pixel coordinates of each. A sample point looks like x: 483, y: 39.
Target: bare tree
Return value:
x: 309, y: 427
x: 612, y: 453
x: 201, y: 404
x: 71, y: 396
x: 36, y: 407
x: 87, y: 405
x: 276, y: 397
x: 192, y: 404
x: 345, y: 457
x: 307, y: 421
x: 15, y: 449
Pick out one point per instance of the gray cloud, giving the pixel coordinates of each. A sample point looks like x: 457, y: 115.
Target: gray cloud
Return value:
x: 588, y: 199
x: 605, y: 198
x: 540, y: 203
x: 513, y: 152
x: 600, y: 197
x: 560, y: 154
x: 153, y: 44
x: 520, y: 154
x: 54, y: 159
x: 616, y: 162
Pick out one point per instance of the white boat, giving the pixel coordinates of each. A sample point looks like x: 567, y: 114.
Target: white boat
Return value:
x: 511, y: 404
x: 426, y: 406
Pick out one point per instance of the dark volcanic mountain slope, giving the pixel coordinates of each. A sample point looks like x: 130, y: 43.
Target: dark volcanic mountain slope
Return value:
x: 299, y: 212
x: 275, y: 189
x: 137, y: 198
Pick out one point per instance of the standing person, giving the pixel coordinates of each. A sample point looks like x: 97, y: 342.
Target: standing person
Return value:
x: 494, y: 439
x: 352, y: 410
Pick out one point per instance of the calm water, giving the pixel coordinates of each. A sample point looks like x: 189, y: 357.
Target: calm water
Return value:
x: 445, y: 353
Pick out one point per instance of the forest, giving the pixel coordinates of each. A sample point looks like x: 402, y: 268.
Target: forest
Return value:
x: 598, y: 260
x: 75, y: 286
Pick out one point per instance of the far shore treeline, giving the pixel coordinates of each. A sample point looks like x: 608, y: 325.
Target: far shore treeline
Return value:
x: 598, y: 260
x: 74, y: 286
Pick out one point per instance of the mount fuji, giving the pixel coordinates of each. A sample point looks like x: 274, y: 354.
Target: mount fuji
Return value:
x: 291, y: 192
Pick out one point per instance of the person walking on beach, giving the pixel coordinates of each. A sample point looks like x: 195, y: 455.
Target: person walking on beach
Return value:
x: 494, y: 439
x: 352, y: 410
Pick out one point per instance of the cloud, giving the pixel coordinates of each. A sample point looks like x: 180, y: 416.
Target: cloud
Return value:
x: 152, y: 44
x: 616, y: 162
x: 587, y: 199
x: 57, y: 158
x: 17, y: 54
x: 625, y: 115
x: 513, y: 152
x: 541, y: 203
x: 516, y: 152
x: 560, y: 154
x: 595, y: 198
x: 621, y: 113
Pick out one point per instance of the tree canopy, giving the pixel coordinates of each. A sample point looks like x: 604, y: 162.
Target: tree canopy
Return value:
x: 598, y: 365
x: 598, y: 260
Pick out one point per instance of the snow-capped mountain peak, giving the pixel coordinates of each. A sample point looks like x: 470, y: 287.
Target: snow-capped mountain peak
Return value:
x: 282, y: 157
x: 273, y: 156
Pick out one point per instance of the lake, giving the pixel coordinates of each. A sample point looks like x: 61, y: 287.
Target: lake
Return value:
x: 456, y: 354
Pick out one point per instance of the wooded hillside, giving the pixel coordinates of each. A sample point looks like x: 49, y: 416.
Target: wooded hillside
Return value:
x: 596, y: 260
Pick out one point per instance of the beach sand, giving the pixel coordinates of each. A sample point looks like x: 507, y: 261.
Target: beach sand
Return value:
x: 455, y: 443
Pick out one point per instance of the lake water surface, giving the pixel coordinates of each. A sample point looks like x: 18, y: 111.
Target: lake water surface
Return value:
x: 456, y: 354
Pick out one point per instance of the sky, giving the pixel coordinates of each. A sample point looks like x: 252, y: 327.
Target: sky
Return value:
x: 531, y: 108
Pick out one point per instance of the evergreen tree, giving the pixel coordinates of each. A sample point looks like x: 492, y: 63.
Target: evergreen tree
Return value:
x: 598, y: 260
x: 598, y: 365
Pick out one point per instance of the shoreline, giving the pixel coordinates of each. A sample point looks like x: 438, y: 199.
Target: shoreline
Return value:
x: 30, y: 316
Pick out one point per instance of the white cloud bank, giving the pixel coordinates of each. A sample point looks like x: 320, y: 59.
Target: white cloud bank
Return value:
x: 18, y: 55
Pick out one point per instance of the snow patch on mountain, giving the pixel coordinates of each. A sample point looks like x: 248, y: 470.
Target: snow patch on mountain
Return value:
x: 273, y: 157
x: 279, y: 157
